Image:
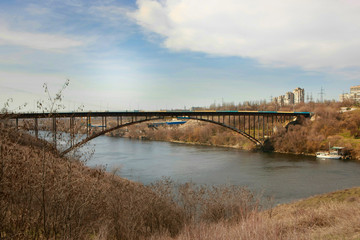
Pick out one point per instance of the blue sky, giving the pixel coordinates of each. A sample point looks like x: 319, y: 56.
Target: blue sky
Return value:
x: 152, y: 55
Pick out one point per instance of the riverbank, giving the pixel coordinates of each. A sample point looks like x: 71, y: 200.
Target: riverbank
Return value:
x: 44, y: 196
x: 248, y: 147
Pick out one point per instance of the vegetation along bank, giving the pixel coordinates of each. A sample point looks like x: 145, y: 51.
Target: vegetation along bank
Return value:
x: 331, y: 123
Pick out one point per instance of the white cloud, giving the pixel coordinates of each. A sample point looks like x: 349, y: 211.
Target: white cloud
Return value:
x: 322, y: 34
x: 39, y: 41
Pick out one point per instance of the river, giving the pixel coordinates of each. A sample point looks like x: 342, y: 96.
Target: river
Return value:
x: 285, y: 177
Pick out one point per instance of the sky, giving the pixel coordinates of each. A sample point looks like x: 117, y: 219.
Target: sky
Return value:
x: 175, y: 54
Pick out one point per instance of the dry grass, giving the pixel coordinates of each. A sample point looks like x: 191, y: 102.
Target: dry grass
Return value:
x: 330, y: 216
x: 209, y: 204
x: 44, y: 196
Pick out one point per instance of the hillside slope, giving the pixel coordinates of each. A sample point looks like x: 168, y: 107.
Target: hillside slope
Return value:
x: 45, y: 196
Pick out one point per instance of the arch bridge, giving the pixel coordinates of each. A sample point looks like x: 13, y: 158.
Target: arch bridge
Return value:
x: 256, y: 126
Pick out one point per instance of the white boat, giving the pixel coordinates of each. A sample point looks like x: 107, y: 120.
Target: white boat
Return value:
x: 333, y: 153
x: 328, y: 155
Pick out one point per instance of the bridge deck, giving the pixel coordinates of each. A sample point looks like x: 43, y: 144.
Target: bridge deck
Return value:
x: 152, y: 113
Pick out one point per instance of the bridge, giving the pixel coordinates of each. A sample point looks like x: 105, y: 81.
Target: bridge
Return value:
x: 256, y: 126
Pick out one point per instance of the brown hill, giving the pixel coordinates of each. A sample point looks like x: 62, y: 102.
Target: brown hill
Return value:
x: 45, y: 196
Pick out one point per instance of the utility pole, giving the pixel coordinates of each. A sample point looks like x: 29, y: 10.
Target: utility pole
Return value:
x: 322, y: 93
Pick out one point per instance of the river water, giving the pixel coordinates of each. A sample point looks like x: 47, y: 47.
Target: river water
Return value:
x: 282, y: 176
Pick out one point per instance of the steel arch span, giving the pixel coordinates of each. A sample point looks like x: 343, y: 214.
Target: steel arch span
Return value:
x: 82, y: 142
x: 256, y: 126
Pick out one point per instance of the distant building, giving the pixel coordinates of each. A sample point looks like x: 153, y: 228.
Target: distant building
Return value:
x: 299, y: 95
x: 279, y: 100
x: 353, y: 95
x: 344, y: 97
x: 289, y: 98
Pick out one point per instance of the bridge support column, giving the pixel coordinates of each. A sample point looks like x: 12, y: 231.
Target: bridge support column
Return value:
x: 88, y: 125
x: 258, y: 123
x: 254, y: 127
x: 102, y: 123
x: 72, y: 131
x: 244, y: 124
x: 263, y: 129
x: 36, y: 128
x: 54, y: 131
x: 267, y: 126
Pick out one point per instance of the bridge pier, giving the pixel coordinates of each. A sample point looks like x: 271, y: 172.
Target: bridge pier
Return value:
x: 72, y: 131
x: 263, y: 129
x: 258, y: 121
x: 36, y: 128
x: 103, y: 123
x: 254, y: 132
x: 88, y: 125
x: 54, y: 130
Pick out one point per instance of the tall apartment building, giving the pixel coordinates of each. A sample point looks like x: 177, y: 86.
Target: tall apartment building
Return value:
x: 353, y: 95
x: 299, y: 95
x: 289, y: 98
x: 279, y: 100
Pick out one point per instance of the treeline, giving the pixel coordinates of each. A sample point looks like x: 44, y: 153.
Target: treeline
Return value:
x: 329, y: 125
